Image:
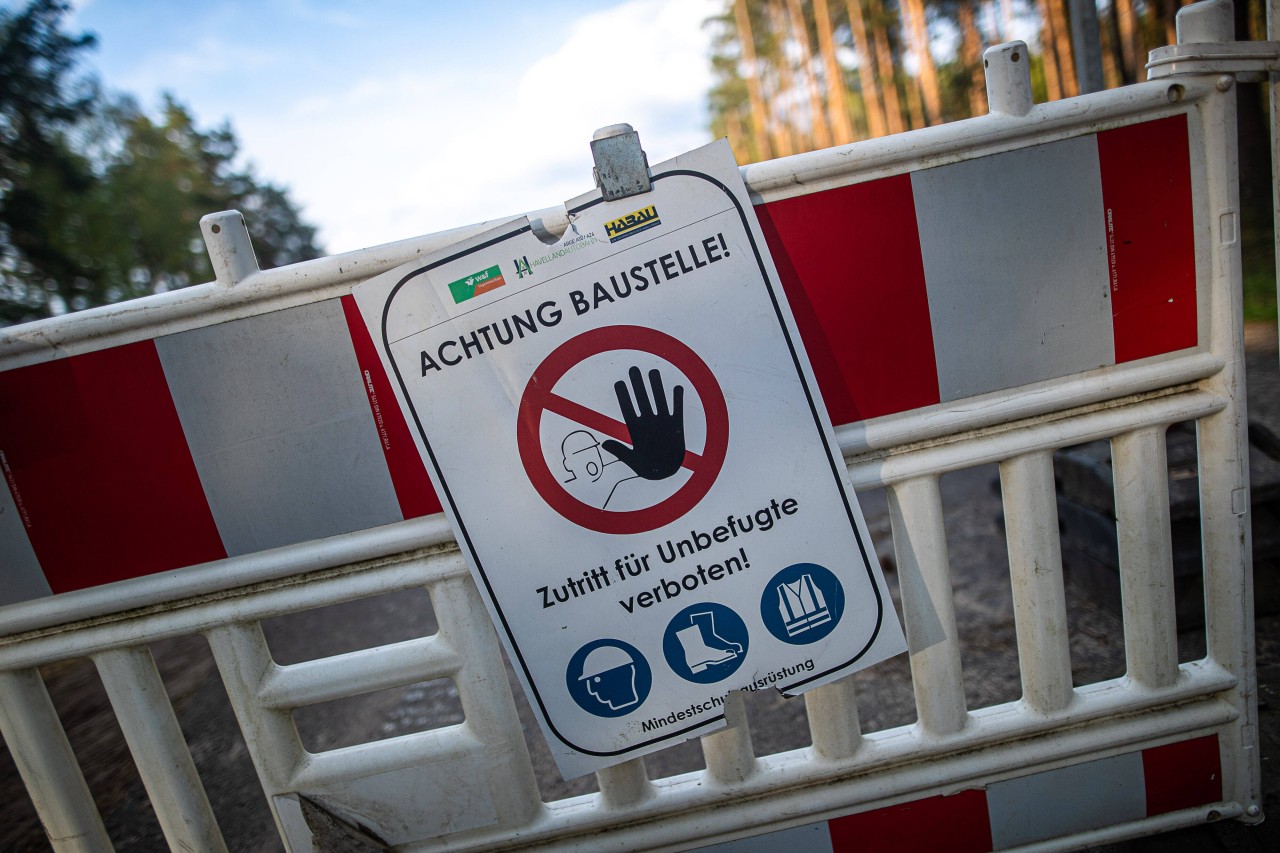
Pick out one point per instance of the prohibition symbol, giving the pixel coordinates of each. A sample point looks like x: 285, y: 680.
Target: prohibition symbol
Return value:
x: 642, y: 440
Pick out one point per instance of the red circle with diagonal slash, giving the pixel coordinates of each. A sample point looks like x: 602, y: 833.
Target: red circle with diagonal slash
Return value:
x: 539, y: 396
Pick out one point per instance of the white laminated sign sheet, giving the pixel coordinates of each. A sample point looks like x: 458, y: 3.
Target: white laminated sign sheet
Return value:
x: 627, y: 437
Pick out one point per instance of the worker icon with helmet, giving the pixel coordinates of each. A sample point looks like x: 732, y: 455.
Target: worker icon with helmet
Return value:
x: 592, y: 475
x: 608, y: 678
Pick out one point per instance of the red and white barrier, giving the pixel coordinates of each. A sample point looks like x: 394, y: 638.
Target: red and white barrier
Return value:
x: 1067, y: 801
x: 280, y: 428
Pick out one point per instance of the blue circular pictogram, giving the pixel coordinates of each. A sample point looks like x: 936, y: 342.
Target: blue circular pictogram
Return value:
x: 802, y: 604
x: 608, y: 678
x: 705, y: 643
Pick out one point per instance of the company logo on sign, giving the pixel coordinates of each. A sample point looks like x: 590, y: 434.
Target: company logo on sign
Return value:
x: 476, y: 284
x: 522, y: 267
x: 633, y: 223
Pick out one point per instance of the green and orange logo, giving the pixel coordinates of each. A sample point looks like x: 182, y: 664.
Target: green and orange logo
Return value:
x: 476, y: 284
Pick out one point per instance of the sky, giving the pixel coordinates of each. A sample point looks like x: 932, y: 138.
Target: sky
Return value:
x: 387, y: 119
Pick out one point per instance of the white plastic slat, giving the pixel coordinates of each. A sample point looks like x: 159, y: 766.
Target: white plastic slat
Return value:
x: 624, y: 784
x: 920, y: 544
x: 1035, y: 568
x: 362, y: 671
x: 276, y: 598
x: 49, y: 768
x: 1019, y: 438
x: 241, y: 653
x: 485, y: 694
x: 729, y: 752
x: 1146, y: 556
x: 834, y: 727
x: 159, y: 750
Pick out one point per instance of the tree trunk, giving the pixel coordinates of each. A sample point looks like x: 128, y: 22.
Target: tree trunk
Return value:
x: 971, y: 52
x: 1127, y: 23
x: 1062, y: 48
x: 1170, y: 17
x: 819, y: 129
x: 733, y: 129
x: 759, y: 115
x: 1112, y: 62
x: 879, y: 41
x: 837, y: 109
x: 786, y: 136
x: 1052, y: 82
x: 913, y: 11
x: 866, y: 73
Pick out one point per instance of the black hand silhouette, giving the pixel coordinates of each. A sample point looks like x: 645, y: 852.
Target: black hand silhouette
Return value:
x: 657, y: 437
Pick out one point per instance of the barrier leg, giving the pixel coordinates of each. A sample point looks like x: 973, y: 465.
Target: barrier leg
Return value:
x: 32, y: 730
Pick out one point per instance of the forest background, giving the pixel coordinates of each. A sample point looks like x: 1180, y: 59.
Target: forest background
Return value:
x: 798, y: 75
x: 100, y: 200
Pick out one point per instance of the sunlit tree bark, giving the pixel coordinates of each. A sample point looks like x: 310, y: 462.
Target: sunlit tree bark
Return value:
x: 1127, y: 24
x: 913, y: 13
x: 1052, y: 82
x: 837, y: 108
x: 819, y: 131
x: 1057, y: 11
x: 971, y: 53
x: 786, y: 138
x: 867, y: 77
x: 1170, y: 9
x: 1112, y: 64
x: 751, y: 70
x: 884, y: 66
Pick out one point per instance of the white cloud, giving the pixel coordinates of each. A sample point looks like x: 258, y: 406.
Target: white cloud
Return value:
x: 389, y: 157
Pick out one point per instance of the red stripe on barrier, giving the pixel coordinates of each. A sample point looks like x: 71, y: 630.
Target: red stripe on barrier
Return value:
x: 408, y: 474
x: 101, y: 468
x: 1182, y: 775
x: 850, y: 263
x: 957, y: 824
x: 1146, y: 190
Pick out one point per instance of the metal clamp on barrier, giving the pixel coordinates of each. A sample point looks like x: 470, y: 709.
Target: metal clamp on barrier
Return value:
x: 1206, y: 45
x: 622, y: 169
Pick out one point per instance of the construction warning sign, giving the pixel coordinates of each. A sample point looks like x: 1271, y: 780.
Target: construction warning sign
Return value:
x: 626, y: 435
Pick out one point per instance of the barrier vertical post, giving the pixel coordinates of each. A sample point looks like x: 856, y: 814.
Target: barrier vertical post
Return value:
x: 49, y: 768
x: 1035, y: 569
x: 920, y: 544
x: 1222, y: 437
x: 159, y: 750
x: 1146, y: 556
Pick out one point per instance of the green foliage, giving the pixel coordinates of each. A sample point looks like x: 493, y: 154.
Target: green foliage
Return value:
x: 40, y: 173
x: 1257, y: 250
x: 100, y: 202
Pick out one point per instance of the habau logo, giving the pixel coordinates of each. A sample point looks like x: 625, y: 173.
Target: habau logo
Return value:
x: 633, y: 223
x: 522, y: 267
x: 476, y: 284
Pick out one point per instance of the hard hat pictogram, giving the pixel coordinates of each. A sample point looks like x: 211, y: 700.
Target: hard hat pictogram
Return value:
x: 608, y: 678
x: 602, y: 660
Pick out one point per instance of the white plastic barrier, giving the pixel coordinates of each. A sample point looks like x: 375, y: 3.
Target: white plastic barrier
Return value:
x: 992, y: 273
